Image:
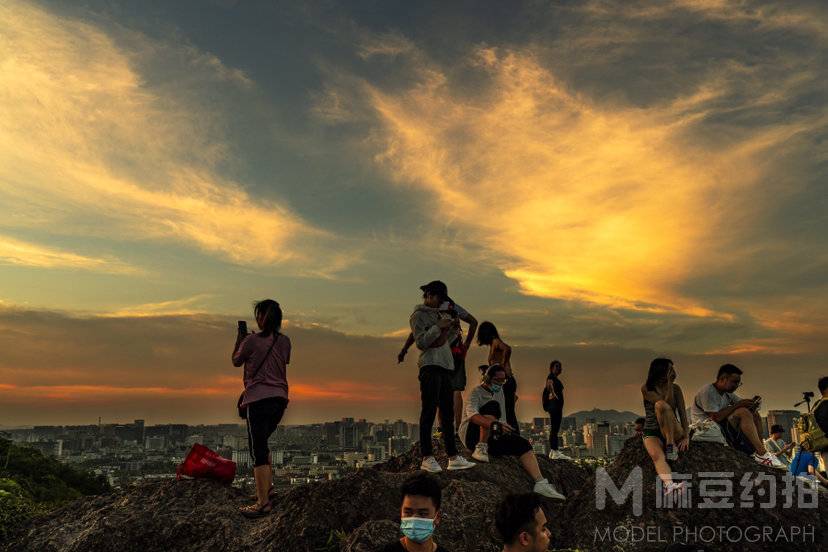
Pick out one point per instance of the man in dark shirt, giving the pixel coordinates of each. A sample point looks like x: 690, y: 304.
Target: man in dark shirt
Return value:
x: 521, y: 522
x: 553, y: 403
x: 419, y: 515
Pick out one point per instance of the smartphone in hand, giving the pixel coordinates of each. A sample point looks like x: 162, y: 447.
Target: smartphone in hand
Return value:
x: 242, y: 327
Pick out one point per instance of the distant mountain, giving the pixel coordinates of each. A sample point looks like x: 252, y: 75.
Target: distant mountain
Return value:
x: 611, y: 416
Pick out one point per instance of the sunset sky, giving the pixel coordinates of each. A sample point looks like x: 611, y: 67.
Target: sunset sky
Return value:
x: 605, y: 181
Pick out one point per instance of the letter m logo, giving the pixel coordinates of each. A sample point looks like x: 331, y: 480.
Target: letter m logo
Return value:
x: 634, y: 485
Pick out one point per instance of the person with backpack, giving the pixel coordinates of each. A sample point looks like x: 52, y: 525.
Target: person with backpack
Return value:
x: 459, y: 346
x: 665, y: 433
x: 432, y: 332
x: 500, y: 353
x: 812, y: 427
x: 553, y: 401
x: 265, y: 356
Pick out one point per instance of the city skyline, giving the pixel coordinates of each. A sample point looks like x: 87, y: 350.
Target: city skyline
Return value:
x: 606, y: 182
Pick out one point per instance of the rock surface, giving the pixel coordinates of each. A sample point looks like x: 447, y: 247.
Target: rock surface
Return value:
x: 360, y: 512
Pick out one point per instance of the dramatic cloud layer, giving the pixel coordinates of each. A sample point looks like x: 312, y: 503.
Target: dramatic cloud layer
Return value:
x: 606, y: 181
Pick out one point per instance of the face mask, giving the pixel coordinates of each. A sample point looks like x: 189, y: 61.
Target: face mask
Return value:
x: 417, y: 529
x: 495, y: 387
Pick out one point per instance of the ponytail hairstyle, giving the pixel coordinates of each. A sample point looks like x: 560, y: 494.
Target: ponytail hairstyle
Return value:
x: 272, y: 314
x: 659, y: 368
x: 486, y: 333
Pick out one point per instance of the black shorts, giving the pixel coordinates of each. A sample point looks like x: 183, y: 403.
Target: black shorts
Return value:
x: 506, y: 444
x: 458, y: 376
x: 262, y: 418
x: 735, y: 438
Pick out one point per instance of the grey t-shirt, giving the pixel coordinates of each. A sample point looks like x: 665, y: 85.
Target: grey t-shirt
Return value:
x: 709, y: 399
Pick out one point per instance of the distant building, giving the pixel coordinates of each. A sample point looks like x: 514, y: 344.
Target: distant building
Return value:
x: 242, y: 458
x: 540, y: 424
x: 155, y: 442
x: 398, y: 445
x: 615, y: 443
x: 568, y: 423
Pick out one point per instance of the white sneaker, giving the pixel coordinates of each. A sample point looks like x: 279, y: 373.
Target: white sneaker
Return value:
x: 777, y: 463
x: 558, y: 455
x: 544, y: 488
x: 763, y: 459
x: 459, y: 463
x: 481, y: 452
x: 673, y: 487
x: 430, y: 464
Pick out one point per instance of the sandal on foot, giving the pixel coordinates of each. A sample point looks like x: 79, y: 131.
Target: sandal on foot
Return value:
x: 256, y: 511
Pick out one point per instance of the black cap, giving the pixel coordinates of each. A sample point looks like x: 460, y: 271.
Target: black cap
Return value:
x: 436, y: 287
x: 776, y: 428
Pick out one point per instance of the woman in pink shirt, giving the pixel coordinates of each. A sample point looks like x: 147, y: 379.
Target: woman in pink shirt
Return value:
x: 265, y: 356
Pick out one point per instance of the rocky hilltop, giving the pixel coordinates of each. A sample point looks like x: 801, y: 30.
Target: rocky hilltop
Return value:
x: 358, y: 512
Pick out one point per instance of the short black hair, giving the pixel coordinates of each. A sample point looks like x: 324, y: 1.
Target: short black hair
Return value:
x: 823, y: 384
x: 516, y: 514
x: 727, y: 369
x: 554, y: 363
x: 422, y: 484
x: 640, y: 420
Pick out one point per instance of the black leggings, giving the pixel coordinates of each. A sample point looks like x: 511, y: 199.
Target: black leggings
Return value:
x: 436, y: 390
x: 509, y: 392
x: 262, y: 418
x: 555, y: 417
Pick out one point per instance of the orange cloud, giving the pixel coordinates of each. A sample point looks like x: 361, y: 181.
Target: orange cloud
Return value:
x: 18, y: 252
x: 573, y: 198
x: 83, y: 138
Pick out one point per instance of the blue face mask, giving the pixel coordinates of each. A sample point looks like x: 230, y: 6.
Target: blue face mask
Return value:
x: 495, y: 387
x: 417, y: 529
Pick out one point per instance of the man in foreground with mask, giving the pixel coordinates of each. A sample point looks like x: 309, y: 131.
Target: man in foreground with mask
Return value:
x: 419, y: 515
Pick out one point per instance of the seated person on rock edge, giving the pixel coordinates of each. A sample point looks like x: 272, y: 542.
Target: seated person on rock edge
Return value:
x: 664, y: 434
x: 738, y: 418
x: 485, y: 430
x: 777, y: 446
x: 419, y: 515
x: 522, y: 524
x: 806, y: 464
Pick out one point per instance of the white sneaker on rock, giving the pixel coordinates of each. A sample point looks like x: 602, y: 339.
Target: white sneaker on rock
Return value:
x: 459, y: 463
x: 430, y: 464
x: 558, y: 455
x: 481, y: 452
x: 763, y: 459
x: 777, y: 463
x: 544, y: 488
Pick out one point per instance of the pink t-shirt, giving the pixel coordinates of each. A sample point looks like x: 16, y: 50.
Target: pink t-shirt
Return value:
x: 271, y: 379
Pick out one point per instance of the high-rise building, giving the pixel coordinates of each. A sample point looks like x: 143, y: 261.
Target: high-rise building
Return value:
x: 138, y: 425
x: 599, y: 440
x: 568, y: 422
x: 398, y: 445
x: 541, y: 424
x: 615, y: 443
x: 785, y: 418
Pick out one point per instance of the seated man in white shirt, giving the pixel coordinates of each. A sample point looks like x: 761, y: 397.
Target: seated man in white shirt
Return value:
x: 738, y: 418
x: 485, y: 430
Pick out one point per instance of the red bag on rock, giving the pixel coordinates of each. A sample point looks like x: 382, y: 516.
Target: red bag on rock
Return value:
x: 201, y: 462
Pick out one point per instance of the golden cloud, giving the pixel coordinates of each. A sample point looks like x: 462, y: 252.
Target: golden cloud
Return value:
x: 17, y: 252
x: 87, y: 146
x: 573, y: 198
